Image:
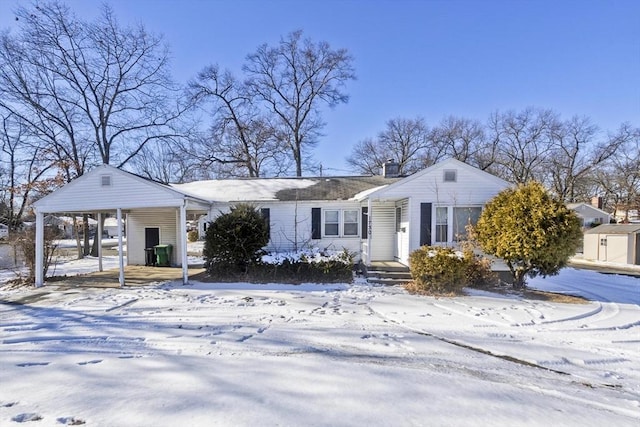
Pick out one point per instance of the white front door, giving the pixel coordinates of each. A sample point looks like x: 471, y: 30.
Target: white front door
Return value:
x: 401, y: 248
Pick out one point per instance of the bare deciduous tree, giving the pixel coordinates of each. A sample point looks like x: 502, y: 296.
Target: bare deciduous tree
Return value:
x: 242, y: 141
x: 96, y: 92
x: 577, y: 152
x: 464, y: 140
x: 523, y: 141
x: 619, y: 176
x: 24, y: 170
x: 295, y: 79
x: 405, y: 141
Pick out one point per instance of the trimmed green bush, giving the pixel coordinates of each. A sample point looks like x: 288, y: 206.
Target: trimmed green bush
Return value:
x: 235, y: 240
x: 327, y: 269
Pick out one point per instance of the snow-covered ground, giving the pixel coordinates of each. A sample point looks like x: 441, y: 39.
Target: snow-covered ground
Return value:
x: 325, y: 355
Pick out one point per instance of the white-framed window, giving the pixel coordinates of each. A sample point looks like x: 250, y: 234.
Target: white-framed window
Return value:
x: 105, y: 180
x: 451, y: 222
x: 331, y: 222
x: 350, y: 222
x: 442, y: 224
x: 463, y: 216
x: 341, y: 222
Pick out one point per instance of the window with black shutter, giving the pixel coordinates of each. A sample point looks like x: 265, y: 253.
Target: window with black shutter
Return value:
x: 316, y: 223
x: 365, y: 223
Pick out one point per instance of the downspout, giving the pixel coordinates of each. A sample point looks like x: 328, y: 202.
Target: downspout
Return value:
x: 183, y: 242
x: 120, y: 256
x: 369, y: 228
x: 99, y: 237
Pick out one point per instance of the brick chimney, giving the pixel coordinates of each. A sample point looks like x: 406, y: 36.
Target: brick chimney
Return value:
x: 596, y: 202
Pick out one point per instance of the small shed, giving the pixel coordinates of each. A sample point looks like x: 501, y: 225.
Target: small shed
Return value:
x: 619, y: 243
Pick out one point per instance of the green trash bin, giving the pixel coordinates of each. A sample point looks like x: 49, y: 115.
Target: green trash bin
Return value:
x: 163, y: 255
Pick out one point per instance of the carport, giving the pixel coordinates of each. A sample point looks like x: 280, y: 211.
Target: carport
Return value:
x: 146, y: 205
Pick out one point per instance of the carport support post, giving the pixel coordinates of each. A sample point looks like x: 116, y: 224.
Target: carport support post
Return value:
x: 99, y: 237
x: 120, y: 257
x: 369, y: 228
x: 183, y: 242
x: 39, y: 273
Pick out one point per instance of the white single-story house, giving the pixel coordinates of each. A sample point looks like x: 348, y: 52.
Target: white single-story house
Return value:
x: 111, y: 227
x: 589, y: 215
x: 619, y: 243
x: 379, y: 218
x: 65, y: 225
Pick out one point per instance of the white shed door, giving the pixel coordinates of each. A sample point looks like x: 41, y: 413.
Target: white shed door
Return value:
x: 617, y: 248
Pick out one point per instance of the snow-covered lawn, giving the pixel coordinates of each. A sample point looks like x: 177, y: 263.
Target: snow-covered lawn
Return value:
x: 334, y: 355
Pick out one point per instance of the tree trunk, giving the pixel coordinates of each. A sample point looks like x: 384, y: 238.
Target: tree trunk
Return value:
x: 76, y: 234
x: 97, y: 240
x: 519, y: 279
x: 85, y: 227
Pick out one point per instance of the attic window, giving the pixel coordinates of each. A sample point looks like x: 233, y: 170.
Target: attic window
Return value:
x: 450, y: 175
x: 105, y: 180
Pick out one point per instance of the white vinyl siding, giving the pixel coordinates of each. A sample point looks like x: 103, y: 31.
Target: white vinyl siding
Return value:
x: 291, y: 223
x: 165, y: 219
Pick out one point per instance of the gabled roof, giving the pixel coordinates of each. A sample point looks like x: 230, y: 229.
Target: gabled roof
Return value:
x: 283, y: 189
x: 580, y: 206
x: 614, y: 229
x: 84, y: 193
x: 447, y: 163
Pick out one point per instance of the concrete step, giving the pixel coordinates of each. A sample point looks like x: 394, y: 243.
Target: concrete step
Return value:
x: 399, y: 275
x: 387, y: 282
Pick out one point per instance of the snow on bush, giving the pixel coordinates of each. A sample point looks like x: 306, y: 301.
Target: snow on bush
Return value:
x: 313, y: 255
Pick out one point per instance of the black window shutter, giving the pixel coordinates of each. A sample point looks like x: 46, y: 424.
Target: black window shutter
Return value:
x: 266, y: 215
x: 425, y: 224
x: 316, y: 223
x: 365, y: 223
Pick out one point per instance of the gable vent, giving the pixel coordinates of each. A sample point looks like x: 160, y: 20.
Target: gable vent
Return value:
x: 450, y: 176
x: 105, y: 180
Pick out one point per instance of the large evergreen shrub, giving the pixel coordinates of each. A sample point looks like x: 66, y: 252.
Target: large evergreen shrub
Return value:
x: 235, y: 240
x: 534, y: 233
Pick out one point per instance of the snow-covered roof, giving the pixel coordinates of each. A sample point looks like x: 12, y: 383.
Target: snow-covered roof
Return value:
x: 283, y: 189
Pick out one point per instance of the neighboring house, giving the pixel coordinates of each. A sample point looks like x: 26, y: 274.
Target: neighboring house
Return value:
x: 627, y: 215
x: 619, y: 243
x: 65, y: 226
x: 377, y: 218
x: 589, y: 215
x: 111, y: 227
x: 4, y: 232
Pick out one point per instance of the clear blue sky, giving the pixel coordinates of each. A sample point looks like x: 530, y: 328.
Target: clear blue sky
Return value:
x: 428, y: 58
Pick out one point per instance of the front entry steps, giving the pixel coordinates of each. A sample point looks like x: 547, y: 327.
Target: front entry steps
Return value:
x: 386, y: 273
